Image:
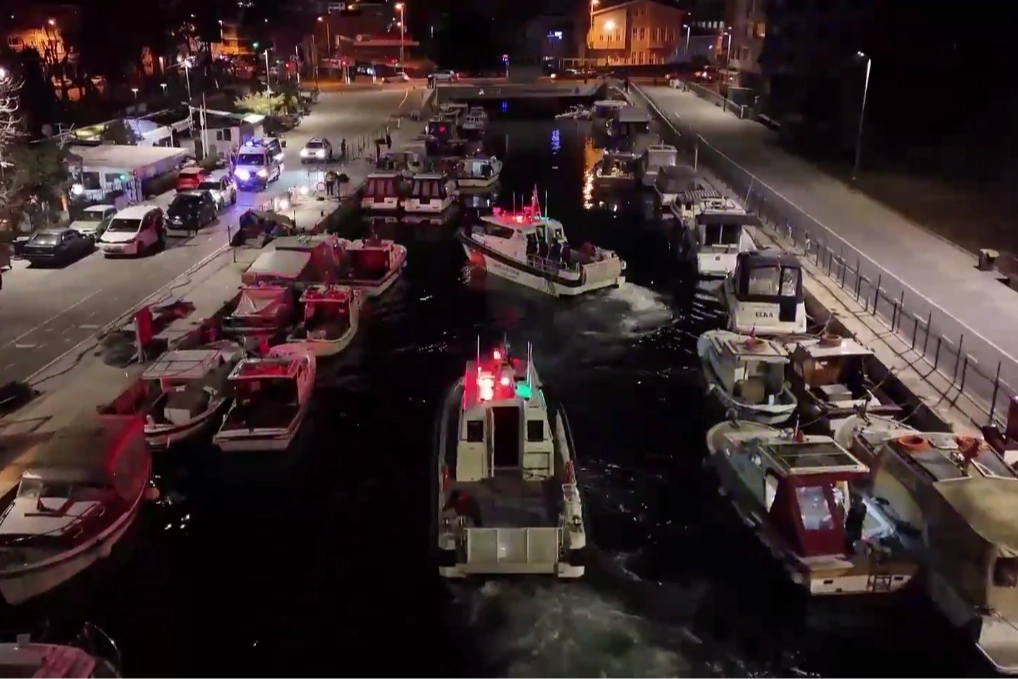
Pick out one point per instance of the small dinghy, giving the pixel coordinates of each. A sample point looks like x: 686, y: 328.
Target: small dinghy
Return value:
x: 331, y: 319
x: 747, y: 375
x: 91, y: 654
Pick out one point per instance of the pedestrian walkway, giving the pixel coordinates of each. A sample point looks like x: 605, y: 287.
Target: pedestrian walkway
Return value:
x: 927, y: 288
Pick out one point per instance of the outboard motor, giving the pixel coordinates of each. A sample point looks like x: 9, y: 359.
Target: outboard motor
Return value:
x: 854, y: 520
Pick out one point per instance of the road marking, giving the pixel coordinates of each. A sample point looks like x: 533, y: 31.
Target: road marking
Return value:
x: 90, y: 326
x: 25, y: 346
x: 48, y: 320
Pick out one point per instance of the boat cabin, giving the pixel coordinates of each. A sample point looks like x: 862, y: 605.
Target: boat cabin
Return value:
x: 832, y: 371
x: 440, y: 129
x: 265, y: 391
x: 750, y: 368
x: 382, y: 190
x: 327, y: 304
x: 658, y: 156
x: 519, y: 234
x: 76, y: 480
x: 686, y: 202
x: 456, y: 110
x: 717, y: 233
x: 370, y: 258
x: 400, y: 161
x: 475, y: 119
x: 616, y: 167
x: 629, y: 122
x: 674, y: 181
x: 184, y: 381
x: 261, y: 311
x: 765, y: 294
x: 430, y: 192
x: 803, y: 484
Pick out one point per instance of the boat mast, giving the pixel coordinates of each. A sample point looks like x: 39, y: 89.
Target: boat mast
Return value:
x: 546, y: 203
x: 478, y: 351
x: 530, y: 365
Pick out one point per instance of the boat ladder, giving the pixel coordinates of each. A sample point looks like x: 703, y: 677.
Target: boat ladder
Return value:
x: 879, y: 582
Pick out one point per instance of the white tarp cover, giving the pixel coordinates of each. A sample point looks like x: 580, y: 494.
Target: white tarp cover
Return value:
x: 260, y: 302
x: 280, y: 264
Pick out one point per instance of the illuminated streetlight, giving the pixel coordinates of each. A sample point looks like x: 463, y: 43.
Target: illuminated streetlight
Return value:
x: 3, y: 74
x: 402, y: 32
x: 609, y: 25
x: 862, y: 113
x: 52, y: 22
x: 328, y: 36
x: 590, y: 30
x: 163, y: 85
x: 135, y: 90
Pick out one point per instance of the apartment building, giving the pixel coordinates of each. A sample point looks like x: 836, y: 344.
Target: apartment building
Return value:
x: 635, y: 33
x: 747, y: 26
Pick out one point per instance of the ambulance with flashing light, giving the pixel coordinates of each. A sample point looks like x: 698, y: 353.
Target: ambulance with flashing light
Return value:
x: 256, y: 166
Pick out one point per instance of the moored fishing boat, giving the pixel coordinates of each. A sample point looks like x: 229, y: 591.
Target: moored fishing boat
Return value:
x: 805, y: 499
x: 373, y: 265
x: 506, y: 501
x: 331, y: 319
x: 747, y: 375
x: 79, y: 493
x: 271, y: 398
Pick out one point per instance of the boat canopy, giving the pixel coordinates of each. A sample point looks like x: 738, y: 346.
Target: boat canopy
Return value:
x: 90, y: 450
x: 327, y: 294
x: 767, y: 275
x: 262, y: 301
x: 813, y: 456
x: 279, y: 264
x: 184, y: 364
x: 273, y: 367
x: 846, y: 347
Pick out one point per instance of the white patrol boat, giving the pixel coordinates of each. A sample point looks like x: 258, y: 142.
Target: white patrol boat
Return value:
x: 383, y: 192
x: 713, y: 234
x: 764, y: 295
x: 430, y: 192
x: 505, y: 497
x: 530, y: 249
x: 747, y: 375
x: 655, y: 158
x: 478, y: 174
x: 476, y: 120
x: 805, y: 497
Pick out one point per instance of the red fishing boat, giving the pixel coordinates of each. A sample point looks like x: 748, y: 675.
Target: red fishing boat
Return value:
x: 331, y: 319
x: 373, y: 264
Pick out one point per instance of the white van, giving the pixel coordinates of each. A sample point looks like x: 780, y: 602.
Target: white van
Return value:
x: 256, y: 166
x: 134, y: 230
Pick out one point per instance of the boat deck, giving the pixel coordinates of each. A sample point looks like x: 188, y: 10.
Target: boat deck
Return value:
x: 507, y: 501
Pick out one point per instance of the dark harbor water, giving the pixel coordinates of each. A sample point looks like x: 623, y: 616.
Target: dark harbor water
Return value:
x: 320, y: 569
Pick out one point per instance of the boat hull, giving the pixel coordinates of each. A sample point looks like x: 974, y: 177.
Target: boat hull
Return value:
x: 427, y: 206
x: 164, y: 437
x: 477, y: 183
x: 761, y: 413
x: 322, y: 348
x: 18, y: 585
x: 390, y: 204
x: 518, y: 272
x: 261, y: 442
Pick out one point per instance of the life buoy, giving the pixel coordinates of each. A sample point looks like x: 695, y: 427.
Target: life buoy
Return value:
x: 968, y: 446
x: 830, y: 339
x: 913, y: 443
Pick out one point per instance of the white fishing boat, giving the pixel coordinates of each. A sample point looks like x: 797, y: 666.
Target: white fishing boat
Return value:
x: 833, y: 377
x: 383, y: 191
x: 92, y: 654
x: 531, y: 250
x: 331, y: 319
x: 475, y: 120
x: 747, y: 375
x: 960, y: 499
x: 80, y: 492
x: 680, y: 183
x: 714, y: 232
x: 655, y: 158
x: 506, y: 501
x: 373, y: 265
x: 764, y: 295
x: 182, y: 394
x: 271, y: 399
x: 477, y: 173
x: 805, y: 499
x: 430, y: 192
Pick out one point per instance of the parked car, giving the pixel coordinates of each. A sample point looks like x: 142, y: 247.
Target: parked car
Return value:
x: 400, y: 77
x: 316, y: 150
x: 190, y: 177
x: 93, y: 220
x: 222, y: 189
x: 134, y: 230
x: 445, y: 76
x: 57, y: 246
x: 191, y: 210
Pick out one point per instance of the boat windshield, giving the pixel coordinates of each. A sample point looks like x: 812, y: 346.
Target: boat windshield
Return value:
x: 722, y: 234
x: 773, y: 280
x: 36, y: 489
x: 275, y: 390
x: 815, y: 510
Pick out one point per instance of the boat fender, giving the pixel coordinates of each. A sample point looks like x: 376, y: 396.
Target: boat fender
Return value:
x: 152, y: 493
x: 968, y: 446
x: 913, y: 443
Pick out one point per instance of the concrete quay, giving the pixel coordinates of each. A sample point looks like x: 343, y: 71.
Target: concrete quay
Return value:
x: 47, y: 312
x: 962, y: 321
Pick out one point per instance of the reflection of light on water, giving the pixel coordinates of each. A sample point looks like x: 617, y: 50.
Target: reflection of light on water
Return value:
x: 505, y: 106
x: 556, y: 142
x: 588, y: 191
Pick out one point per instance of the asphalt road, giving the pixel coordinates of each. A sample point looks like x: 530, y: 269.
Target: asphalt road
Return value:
x: 935, y: 278
x: 47, y: 312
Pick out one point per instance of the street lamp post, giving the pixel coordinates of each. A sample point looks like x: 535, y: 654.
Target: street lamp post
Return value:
x: 590, y: 29
x: 728, y: 70
x: 401, y: 7
x: 268, y: 86
x: 163, y: 85
x: 135, y: 90
x: 688, y: 30
x: 862, y: 114
x: 328, y: 37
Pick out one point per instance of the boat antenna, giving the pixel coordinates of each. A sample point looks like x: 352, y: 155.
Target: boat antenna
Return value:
x: 505, y: 345
x: 514, y: 202
x: 530, y: 365
x: 478, y: 350
x: 546, y: 203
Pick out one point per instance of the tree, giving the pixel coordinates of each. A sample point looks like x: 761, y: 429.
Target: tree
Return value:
x: 10, y: 131
x: 119, y: 132
x: 261, y: 103
x: 36, y: 180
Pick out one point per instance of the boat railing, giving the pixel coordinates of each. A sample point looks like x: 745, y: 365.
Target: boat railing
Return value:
x: 548, y: 265
x: 77, y: 525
